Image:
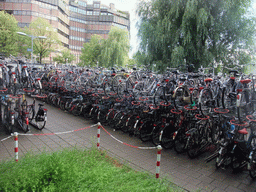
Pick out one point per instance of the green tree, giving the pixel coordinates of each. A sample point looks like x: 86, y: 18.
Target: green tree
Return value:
x: 23, y: 44
x: 43, y: 47
x: 65, y: 57
x: 200, y: 32
x: 91, y: 51
x: 116, y: 48
x: 8, y: 35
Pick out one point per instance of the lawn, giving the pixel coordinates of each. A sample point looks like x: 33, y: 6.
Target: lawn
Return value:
x: 76, y: 170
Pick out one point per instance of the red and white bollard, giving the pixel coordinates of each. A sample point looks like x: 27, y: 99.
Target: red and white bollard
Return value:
x: 98, y: 136
x: 159, y: 149
x: 16, y: 146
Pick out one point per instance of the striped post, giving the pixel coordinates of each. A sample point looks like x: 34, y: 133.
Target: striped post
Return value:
x: 159, y: 149
x: 98, y: 135
x: 16, y: 146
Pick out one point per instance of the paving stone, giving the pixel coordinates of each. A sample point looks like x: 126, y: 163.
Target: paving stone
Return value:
x: 233, y: 189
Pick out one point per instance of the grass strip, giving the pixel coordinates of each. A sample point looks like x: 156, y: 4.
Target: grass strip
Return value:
x: 76, y: 170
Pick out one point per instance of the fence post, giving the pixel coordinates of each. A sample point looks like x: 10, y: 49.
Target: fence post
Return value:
x: 16, y: 146
x: 159, y: 149
x: 98, y: 135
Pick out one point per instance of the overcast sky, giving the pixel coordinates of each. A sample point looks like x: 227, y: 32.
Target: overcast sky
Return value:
x: 130, y: 6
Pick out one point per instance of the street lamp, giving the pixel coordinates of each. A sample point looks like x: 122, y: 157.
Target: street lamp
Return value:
x: 32, y: 39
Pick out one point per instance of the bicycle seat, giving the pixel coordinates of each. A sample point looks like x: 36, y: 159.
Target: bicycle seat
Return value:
x: 208, y: 80
x: 245, y: 81
x: 243, y: 131
x: 10, y: 67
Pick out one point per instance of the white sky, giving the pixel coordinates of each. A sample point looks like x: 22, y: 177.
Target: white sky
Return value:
x: 130, y: 6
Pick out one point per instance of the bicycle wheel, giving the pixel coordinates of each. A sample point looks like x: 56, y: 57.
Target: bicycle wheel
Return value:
x: 121, y: 90
x: 167, y: 140
x: 181, y: 97
x: 145, y: 131
x: 195, y: 94
x: 156, y: 134
x: 6, y: 119
x: 159, y: 96
x: 31, y: 113
x: 77, y: 108
x: 193, y: 148
x: 130, y: 83
x: 243, y: 105
x: 119, y: 78
x: 206, y: 102
x: 228, y: 97
x: 117, y: 120
x: 180, y: 141
x: 40, y: 121
x: 107, y: 87
x: 252, y: 167
x: 102, y: 113
x: 236, y: 163
x: 23, y: 123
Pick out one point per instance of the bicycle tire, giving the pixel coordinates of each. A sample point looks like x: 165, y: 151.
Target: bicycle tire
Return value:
x: 159, y: 96
x: 77, y: 108
x: 180, y: 142
x: 252, y: 170
x: 167, y: 140
x: 236, y: 163
x: 121, y: 90
x: 244, y: 106
x: 23, y: 123
x: 40, y: 124
x: 130, y: 83
x: 228, y: 100
x: 145, y: 131
x: 31, y: 113
x: 117, y: 120
x: 6, y: 120
x: 193, y: 148
x: 206, y: 102
x: 156, y: 134
x: 181, y: 97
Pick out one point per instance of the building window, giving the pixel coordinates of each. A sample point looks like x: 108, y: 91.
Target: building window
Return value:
x: 96, y: 5
x: 96, y: 13
x: 82, y: 3
x: 89, y: 12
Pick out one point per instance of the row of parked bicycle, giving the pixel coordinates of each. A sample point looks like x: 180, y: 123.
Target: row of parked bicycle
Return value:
x: 14, y: 108
x: 185, y: 111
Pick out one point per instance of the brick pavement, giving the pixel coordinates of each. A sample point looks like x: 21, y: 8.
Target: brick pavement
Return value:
x: 192, y: 175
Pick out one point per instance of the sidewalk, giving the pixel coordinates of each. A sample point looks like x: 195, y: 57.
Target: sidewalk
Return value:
x: 189, y: 174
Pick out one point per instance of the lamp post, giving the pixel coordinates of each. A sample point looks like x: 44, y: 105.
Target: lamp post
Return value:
x: 32, y: 39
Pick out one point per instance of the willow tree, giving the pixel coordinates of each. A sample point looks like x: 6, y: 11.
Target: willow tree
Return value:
x: 43, y: 47
x: 115, y: 48
x: 8, y: 35
x: 199, y: 32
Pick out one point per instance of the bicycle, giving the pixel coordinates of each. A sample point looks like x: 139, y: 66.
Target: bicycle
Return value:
x: 21, y: 115
x: 37, y: 119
